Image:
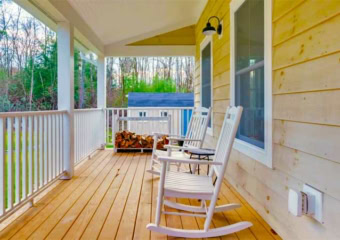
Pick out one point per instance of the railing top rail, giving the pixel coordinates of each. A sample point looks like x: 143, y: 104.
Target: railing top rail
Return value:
x: 32, y: 113
x: 88, y: 109
x: 143, y: 118
x: 151, y: 108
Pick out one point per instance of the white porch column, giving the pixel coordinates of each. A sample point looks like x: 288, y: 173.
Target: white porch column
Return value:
x: 65, y: 42
x: 101, y: 93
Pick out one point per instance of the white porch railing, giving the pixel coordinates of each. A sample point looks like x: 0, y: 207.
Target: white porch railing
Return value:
x: 32, y: 152
x: 180, y: 117
x: 31, y: 156
x: 89, y: 127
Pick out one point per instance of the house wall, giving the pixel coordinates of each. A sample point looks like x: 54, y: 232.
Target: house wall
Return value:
x: 306, y: 112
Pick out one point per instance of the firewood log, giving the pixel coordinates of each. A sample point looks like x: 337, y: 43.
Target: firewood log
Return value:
x: 126, y: 139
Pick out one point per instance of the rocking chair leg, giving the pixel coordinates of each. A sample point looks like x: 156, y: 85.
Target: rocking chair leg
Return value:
x: 154, y: 148
x: 160, y: 194
x: 179, y: 166
x: 210, y: 212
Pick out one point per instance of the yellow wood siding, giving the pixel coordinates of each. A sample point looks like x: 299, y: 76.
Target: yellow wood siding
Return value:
x: 306, y: 113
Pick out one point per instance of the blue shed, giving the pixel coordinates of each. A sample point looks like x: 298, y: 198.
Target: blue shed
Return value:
x: 137, y: 99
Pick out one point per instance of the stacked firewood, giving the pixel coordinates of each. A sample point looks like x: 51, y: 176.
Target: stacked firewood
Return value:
x: 126, y: 139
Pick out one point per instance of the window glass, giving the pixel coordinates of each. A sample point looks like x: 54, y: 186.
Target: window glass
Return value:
x: 249, y: 76
x: 206, y: 77
x: 164, y: 114
x: 142, y: 114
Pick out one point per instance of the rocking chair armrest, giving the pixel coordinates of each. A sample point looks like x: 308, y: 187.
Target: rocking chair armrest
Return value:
x: 184, y: 139
x: 175, y: 147
x: 163, y: 134
x: 188, y: 161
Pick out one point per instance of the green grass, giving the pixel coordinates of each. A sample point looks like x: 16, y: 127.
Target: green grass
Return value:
x: 109, y: 138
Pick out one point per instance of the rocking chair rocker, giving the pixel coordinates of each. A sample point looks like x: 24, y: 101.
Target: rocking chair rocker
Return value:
x: 193, y: 139
x: 184, y: 185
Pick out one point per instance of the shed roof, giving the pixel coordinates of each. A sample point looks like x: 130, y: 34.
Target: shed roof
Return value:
x: 160, y: 99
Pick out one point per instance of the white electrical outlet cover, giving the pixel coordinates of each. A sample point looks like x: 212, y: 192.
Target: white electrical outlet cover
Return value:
x: 295, y: 203
x: 318, y: 201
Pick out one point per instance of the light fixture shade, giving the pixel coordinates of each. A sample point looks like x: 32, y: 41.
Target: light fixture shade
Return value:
x: 209, y: 30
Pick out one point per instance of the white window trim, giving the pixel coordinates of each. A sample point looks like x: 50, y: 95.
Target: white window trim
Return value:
x: 204, y: 43
x: 262, y: 155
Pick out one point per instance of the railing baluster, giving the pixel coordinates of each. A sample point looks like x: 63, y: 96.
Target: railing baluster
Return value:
x: 112, y: 128
x: 36, y: 155
x: 57, y: 140
x: 10, y: 191
x: 83, y: 123
x: 24, y: 157
x: 41, y: 151
x: 79, y: 137
x: 62, y: 167
x: 17, y: 160
x: 107, y: 112
x: 53, y: 148
x: 30, y: 155
x: 76, y: 143
x: 50, y: 151
x: 2, y: 165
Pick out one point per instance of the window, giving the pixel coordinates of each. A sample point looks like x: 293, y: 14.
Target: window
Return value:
x: 164, y: 114
x: 206, y: 77
x: 142, y: 114
x: 251, y: 76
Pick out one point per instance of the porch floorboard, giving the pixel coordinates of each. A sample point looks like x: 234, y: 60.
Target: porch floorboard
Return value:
x: 112, y: 197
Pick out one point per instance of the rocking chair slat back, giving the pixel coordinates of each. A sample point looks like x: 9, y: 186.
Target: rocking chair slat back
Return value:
x: 197, y: 127
x: 226, y: 139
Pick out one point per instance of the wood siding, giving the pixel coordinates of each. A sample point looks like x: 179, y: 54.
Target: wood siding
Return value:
x: 306, y: 112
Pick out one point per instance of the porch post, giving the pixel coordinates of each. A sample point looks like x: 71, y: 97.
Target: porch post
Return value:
x: 66, y: 92
x: 101, y: 94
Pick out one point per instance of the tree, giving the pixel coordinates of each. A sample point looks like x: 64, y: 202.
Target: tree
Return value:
x: 147, y: 74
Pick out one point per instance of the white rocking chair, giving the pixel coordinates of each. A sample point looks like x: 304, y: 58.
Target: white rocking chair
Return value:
x: 185, y: 185
x: 193, y: 139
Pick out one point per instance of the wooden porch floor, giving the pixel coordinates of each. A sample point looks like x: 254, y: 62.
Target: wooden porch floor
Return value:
x: 112, y: 197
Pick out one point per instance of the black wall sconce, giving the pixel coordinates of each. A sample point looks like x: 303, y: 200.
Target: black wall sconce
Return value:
x: 210, y: 30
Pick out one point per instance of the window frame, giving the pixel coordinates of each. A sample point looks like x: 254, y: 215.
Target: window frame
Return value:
x: 204, y: 43
x: 262, y: 155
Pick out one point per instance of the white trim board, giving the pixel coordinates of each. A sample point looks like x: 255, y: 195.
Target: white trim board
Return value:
x: 204, y: 43
x: 262, y: 155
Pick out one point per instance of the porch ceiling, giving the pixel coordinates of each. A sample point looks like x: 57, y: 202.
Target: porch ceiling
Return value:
x: 116, y: 21
x: 110, y: 25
